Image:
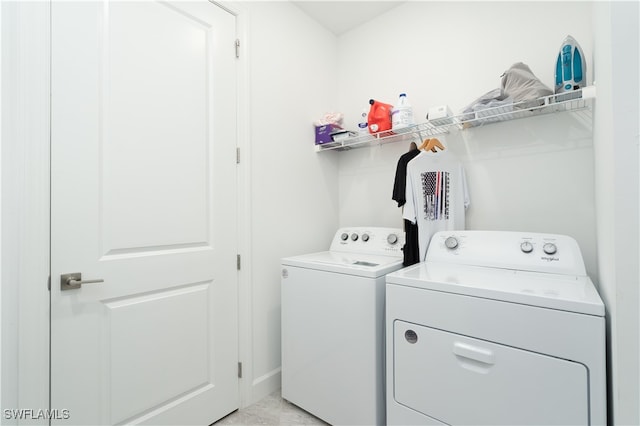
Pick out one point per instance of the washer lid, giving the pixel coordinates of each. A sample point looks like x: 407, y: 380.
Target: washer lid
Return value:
x: 363, y: 265
x: 553, y: 291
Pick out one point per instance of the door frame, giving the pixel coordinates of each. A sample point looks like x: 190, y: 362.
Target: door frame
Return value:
x: 25, y: 130
x: 25, y: 205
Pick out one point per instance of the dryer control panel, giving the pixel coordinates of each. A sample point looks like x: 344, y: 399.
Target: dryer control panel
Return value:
x: 369, y: 240
x: 523, y: 251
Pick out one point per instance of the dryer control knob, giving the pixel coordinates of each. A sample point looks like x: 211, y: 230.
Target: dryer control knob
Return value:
x: 550, y: 248
x: 365, y: 237
x: 392, y: 239
x: 354, y: 237
x: 526, y: 247
x: 451, y: 243
x: 344, y: 236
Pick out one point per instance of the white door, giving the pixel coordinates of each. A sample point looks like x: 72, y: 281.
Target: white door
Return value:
x: 143, y: 197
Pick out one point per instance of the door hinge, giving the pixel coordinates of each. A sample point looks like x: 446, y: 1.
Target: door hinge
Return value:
x: 49, y: 283
x: 237, y: 155
x: 237, y: 48
x: 238, y: 261
x: 239, y: 370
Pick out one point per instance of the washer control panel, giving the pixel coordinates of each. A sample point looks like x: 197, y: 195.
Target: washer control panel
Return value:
x: 370, y: 240
x: 526, y: 251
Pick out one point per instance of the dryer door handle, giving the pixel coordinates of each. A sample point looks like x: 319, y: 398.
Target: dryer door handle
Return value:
x: 475, y: 353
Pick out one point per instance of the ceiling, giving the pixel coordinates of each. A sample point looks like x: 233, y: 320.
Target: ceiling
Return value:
x: 340, y: 16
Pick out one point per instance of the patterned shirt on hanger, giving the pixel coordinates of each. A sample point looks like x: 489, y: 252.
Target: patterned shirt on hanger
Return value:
x: 436, y: 195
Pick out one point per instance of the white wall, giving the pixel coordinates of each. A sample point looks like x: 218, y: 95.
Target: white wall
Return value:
x: 535, y: 174
x: 616, y: 131
x: 294, y: 191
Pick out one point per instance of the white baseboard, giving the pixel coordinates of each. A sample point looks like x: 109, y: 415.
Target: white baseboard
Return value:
x: 266, y: 385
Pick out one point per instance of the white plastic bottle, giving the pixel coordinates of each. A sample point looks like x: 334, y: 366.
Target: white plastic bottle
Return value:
x: 363, y: 122
x: 402, y: 114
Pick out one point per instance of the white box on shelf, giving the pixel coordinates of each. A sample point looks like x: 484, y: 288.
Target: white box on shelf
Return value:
x: 441, y: 111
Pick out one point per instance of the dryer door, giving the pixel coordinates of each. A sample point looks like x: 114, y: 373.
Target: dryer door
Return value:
x: 459, y: 380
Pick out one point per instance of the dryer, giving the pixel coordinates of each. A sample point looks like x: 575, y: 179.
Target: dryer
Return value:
x: 333, y: 325
x: 497, y: 328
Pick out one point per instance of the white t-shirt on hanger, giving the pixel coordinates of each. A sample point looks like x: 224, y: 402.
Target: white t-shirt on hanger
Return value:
x: 436, y: 194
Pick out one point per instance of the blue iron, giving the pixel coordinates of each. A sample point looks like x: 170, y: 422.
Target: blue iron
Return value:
x: 571, y: 68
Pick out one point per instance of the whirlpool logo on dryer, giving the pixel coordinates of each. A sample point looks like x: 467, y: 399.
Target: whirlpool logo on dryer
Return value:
x: 550, y: 258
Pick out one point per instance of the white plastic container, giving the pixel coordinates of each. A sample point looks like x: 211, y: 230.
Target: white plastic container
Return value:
x: 402, y: 113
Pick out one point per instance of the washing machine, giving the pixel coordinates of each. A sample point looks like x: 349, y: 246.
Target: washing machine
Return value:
x: 495, y: 328
x: 333, y: 325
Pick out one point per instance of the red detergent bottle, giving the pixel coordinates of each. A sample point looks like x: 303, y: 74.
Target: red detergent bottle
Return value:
x: 379, y: 116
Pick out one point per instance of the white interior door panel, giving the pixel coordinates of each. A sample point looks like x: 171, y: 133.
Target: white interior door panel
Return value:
x: 144, y: 198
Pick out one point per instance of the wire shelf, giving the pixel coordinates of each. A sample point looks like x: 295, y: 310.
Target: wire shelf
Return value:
x: 571, y: 101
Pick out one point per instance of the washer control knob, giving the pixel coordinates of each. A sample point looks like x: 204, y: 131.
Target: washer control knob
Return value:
x: 550, y: 248
x: 344, y: 236
x: 451, y: 242
x: 526, y: 247
x: 392, y: 239
x: 354, y: 237
x: 365, y: 237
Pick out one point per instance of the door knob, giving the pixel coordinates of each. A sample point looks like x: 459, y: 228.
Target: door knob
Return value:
x: 74, y: 280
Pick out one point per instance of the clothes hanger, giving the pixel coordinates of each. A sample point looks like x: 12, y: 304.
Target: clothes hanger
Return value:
x: 431, y: 145
x: 435, y: 143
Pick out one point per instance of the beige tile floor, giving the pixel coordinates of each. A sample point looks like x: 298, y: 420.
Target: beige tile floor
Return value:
x: 271, y: 410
